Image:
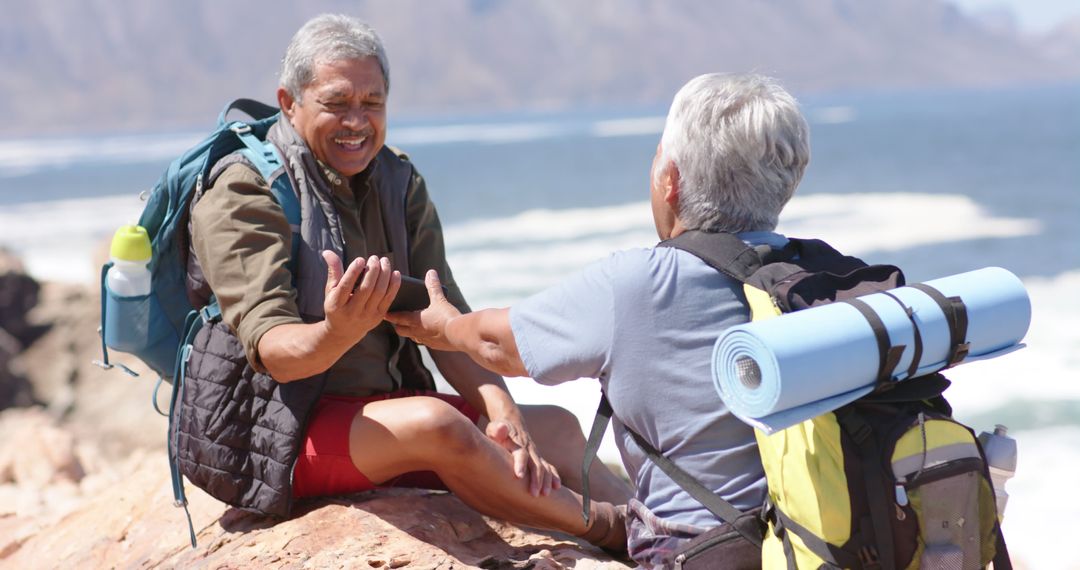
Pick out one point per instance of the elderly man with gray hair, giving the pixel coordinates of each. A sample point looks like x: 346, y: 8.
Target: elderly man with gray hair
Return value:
x: 644, y: 321
x: 302, y: 389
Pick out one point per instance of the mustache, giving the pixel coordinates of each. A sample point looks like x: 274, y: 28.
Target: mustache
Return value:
x: 351, y: 134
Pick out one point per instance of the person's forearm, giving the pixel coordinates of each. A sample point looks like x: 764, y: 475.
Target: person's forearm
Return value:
x: 487, y: 338
x: 482, y: 389
x: 297, y: 351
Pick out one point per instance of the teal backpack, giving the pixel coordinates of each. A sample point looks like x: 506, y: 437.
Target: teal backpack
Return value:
x: 158, y: 328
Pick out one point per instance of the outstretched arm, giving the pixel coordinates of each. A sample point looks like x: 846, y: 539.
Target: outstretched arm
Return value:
x: 459, y: 343
x: 485, y: 336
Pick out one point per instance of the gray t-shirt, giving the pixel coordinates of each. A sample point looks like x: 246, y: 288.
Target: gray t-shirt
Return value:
x: 644, y: 322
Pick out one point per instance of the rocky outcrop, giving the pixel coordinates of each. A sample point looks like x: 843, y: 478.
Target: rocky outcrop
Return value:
x: 48, y: 342
x: 84, y: 479
x: 62, y: 506
x: 18, y: 294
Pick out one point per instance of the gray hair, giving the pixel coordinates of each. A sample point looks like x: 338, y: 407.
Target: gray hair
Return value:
x: 325, y: 39
x: 741, y: 146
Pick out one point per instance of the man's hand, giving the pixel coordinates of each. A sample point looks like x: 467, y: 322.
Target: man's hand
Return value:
x: 358, y: 297
x: 512, y: 436
x: 428, y: 327
x: 356, y: 302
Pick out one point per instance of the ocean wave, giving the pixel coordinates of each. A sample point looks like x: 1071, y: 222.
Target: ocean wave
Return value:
x: 493, y: 257
x: 499, y: 253
x: 629, y: 127
x: 21, y: 157
x: 836, y: 115
x: 493, y: 133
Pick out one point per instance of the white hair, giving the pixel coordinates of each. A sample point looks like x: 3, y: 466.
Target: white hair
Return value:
x: 325, y: 39
x: 741, y: 146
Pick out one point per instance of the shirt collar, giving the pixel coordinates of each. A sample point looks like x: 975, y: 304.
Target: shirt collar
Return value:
x: 339, y: 183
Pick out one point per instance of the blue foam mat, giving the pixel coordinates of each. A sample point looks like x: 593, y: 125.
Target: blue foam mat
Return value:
x: 819, y: 359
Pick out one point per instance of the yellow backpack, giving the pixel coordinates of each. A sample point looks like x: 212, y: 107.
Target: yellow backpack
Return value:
x: 888, y: 481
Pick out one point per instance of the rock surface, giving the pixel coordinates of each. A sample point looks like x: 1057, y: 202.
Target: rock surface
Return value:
x: 84, y: 478
x: 18, y: 294
x: 126, y: 520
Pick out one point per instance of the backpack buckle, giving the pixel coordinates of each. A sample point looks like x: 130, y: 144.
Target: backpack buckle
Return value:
x: 210, y: 314
x: 960, y: 352
x: 240, y: 128
x: 110, y: 365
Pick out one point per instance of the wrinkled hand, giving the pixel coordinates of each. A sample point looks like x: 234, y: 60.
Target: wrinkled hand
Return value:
x: 428, y: 327
x: 358, y: 297
x: 511, y: 435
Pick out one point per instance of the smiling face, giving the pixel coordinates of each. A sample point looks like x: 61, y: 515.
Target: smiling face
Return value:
x: 341, y: 114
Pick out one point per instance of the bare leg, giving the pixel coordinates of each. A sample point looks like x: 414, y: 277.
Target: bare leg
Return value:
x: 558, y: 437
x: 391, y: 437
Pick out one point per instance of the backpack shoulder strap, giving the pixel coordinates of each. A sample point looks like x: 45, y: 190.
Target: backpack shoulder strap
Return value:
x: 722, y: 509
x: 255, y: 109
x: 267, y: 160
x: 592, y: 445
x: 723, y: 251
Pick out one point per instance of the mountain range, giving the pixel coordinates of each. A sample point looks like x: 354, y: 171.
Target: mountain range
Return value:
x: 84, y: 66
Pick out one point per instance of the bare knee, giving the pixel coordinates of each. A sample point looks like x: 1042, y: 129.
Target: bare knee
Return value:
x: 554, y: 425
x: 440, y: 431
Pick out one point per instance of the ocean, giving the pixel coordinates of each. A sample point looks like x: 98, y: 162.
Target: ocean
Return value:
x: 936, y: 182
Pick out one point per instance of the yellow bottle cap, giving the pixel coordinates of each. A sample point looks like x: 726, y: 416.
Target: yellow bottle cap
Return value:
x: 130, y: 243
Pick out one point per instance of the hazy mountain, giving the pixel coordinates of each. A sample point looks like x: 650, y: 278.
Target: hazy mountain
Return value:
x: 1063, y: 43
x: 81, y: 65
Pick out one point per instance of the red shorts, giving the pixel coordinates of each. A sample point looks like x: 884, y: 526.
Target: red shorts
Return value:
x: 325, y: 466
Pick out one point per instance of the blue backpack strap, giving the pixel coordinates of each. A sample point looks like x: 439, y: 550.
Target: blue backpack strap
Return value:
x: 264, y: 156
x: 255, y: 109
x: 195, y: 321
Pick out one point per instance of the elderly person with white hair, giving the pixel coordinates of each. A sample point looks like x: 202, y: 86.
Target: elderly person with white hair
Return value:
x: 644, y: 321
x: 301, y: 389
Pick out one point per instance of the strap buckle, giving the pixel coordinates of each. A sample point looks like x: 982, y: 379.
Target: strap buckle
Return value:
x: 210, y: 314
x: 110, y: 365
x: 856, y: 428
x: 960, y: 352
x: 240, y: 128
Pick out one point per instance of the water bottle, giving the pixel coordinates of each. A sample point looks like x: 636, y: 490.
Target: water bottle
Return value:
x: 1000, y: 452
x: 130, y: 255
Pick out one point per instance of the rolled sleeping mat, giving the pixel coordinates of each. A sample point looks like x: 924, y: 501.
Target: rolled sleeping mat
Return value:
x: 776, y: 373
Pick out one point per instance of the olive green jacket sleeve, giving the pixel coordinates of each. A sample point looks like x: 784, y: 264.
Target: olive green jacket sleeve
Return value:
x: 243, y: 242
x: 427, y: 249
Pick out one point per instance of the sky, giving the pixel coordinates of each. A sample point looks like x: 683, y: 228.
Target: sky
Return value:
x: 1035, y: 16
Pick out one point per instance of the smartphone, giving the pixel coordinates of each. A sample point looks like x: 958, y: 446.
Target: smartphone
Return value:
x: 412, y: 296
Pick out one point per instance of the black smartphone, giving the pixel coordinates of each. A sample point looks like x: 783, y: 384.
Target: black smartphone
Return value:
x: 412, y: 296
